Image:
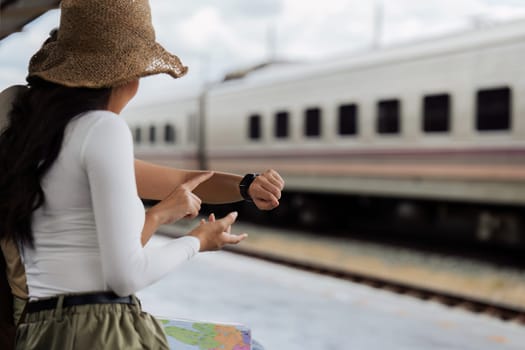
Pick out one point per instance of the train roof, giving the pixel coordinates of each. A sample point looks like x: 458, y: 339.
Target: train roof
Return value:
x: 458, y: 42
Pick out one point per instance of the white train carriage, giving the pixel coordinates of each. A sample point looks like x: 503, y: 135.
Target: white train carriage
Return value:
x: 425, y: 124
x: 167, y: 133
x: 443, y: 119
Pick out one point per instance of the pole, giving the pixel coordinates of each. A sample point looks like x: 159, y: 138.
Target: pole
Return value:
x: 378, y: 23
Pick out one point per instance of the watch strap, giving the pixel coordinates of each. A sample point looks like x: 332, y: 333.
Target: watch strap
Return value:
x: 244, y: 185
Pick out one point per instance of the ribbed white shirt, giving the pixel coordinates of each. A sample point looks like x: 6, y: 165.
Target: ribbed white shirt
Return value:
x: 87, y: 233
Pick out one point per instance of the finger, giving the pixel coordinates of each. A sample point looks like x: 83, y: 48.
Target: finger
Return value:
x: 193, y: 210
x: 228, y: 220
x: 271, y: 202
x: 263, y: 204
x: 228, y: 238
x: 195, y: 181
x: 274, y: 175
x: 192, y: 215
x: 195, y: 198
x: 269, y: 187
x: 261, y: 193
x: 211, y: 218
x: 202, y: 222
x: 272, y: 179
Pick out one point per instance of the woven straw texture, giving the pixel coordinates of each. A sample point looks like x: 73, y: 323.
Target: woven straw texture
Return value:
x: 103, y: 43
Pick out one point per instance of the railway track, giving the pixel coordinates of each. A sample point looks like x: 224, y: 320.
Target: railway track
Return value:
x: 509, y: 313
x: 496, y: 310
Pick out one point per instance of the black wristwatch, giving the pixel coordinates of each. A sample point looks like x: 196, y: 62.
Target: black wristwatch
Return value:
x: 245, y: 184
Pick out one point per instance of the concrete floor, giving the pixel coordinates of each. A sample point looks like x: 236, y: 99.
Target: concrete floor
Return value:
x: 436, y: 271
x: 295, y: 310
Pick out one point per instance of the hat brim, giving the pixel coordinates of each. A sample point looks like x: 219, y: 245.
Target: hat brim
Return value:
x: 102, y: 69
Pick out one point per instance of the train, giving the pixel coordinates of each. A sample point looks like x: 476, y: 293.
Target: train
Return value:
x: 428, y: 133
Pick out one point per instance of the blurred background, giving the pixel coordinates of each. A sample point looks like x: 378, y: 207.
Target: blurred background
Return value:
x: 398, y: 126
x: 216, y: 38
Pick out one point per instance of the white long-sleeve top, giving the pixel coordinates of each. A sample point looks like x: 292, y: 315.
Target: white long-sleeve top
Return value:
x: 87, y: 233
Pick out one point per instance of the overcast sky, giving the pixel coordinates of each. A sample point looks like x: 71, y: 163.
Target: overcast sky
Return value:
x: 213, y: 37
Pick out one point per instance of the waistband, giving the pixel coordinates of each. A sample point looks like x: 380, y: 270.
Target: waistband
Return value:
x: 78, y: 299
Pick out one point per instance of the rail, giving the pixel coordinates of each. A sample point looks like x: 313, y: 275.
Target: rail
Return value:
x: 493, y: 309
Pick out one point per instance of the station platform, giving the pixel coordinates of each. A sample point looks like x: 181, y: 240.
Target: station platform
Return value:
x: 470, y: 278
x: 296, y: 310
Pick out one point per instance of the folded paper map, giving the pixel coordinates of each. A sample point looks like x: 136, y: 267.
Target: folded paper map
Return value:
x: 192, y: 335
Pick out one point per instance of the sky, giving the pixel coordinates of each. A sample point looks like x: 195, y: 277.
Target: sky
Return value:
x: 215, y: 37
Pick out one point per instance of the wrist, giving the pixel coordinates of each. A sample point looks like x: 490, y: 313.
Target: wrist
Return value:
x: 154, y: 217
x: 200, y: 238
x: 244, y: 186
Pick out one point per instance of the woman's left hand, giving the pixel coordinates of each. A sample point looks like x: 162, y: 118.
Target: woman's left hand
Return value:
x: 266, y: 189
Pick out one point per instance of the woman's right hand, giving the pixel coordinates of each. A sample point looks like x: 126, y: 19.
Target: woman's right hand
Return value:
x: 181, y: 203
x: 215, y: 234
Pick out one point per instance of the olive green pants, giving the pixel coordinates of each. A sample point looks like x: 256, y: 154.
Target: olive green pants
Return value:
x: 18, y: 307
x: 96, y: 326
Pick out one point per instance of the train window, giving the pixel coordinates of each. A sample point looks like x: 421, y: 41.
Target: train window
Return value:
x: 312, y: 122
x: 388, y: 117
x: 348, y: 119
x: 281, y: 124
x: 436, y: 113
x: 138, y: 134
x: 169, y: 133
x: 494, y: 109
x: 152, y: 134
x: 254, y: 127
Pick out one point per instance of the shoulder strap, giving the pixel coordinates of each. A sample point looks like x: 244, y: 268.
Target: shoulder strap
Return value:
x: 7, y: 327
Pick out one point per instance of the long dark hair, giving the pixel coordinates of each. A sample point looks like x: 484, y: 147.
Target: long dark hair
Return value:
x: 30, y: 145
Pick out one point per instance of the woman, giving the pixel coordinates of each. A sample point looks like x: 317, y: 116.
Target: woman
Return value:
x: 68, y: 187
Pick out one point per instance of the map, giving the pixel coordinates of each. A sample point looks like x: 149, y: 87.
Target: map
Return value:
x: 192, y: 335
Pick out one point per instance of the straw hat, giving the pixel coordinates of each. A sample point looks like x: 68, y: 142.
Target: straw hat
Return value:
x: 103, y: 43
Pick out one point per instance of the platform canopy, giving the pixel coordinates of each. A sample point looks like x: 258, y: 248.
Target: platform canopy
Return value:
x: 15, y: 14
